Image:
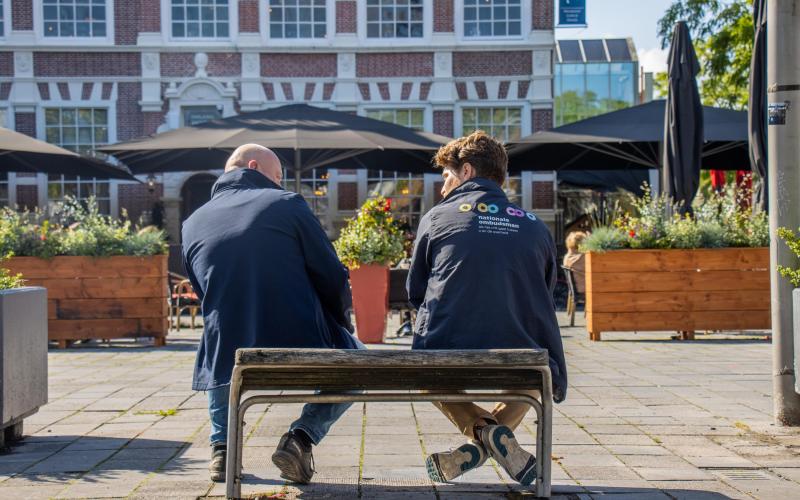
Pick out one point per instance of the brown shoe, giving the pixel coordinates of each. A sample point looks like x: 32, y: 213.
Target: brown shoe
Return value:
x: 295, y: 461
x: 219, y: 453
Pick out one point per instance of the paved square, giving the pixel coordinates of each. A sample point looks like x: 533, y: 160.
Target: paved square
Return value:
x: 646, y: 417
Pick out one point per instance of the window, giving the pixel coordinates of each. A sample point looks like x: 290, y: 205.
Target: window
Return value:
x: 394, y: 18
x: 200, y: 19
x: 3, y: 189
x: 192, y: 115
x: 411, y: 118
x: 2, y: 24
x: 503, y: 123
x: 297, y: 19
x: 405, y: 190
x: 314, y: 187
x: 80, y: 130
x: 74, y: 18
x: 492, y: 18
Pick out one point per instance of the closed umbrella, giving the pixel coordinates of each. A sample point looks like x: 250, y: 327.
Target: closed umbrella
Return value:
x: 756, y: 111
x: 683, y: 121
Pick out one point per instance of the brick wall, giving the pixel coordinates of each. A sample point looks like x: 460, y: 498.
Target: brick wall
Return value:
x: 25, y: 123
x: 86, y: 64
x: 347, y: 195
x: 5, y: 91
x: 541, y: 119
x: 6, y: 64
x: 126, y: 22
x: 182, y: 64
x: 27, y: 197
x: 543, y: 14
x: 394, y: 64
x: 443, y: 16
x: 130, y: 122
x: 298, y: 65
x: 443, y: 123
x: 248, y: 16
x: 497, y: 63
x: 543, y: 195
x: 346, y: 16
x: 22, y: 15
x: 137, y: 198
x: 151, y: 121
x: 149, y: 16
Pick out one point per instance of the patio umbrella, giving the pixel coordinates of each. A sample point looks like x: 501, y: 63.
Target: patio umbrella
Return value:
x: 629, y: 138
x: 756, y: 127
x: 683, y: 121
x: 22, y: 153
x: 304, y: 137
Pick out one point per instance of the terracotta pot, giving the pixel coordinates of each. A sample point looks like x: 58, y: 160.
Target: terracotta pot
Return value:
x: 370, y: 285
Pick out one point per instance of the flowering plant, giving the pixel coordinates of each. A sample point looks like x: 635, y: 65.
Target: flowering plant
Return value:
x: 793, y: 242
x: 374, y: 236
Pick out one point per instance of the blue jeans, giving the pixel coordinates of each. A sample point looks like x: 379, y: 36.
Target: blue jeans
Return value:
x: 315, y: 420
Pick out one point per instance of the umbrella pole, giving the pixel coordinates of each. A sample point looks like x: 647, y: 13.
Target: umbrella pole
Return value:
x: 297, y: 172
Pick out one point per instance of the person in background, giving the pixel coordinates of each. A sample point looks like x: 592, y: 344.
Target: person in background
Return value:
x: 575, y: 261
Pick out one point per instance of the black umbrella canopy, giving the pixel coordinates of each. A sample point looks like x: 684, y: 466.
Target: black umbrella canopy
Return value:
x: 303, y: 136
x: 756, y: 118
x: 683, y: 121
x: 22, y: 153
x: 629, y: 138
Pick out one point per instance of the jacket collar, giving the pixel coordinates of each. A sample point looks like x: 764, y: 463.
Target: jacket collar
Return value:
x: 242, y: 178
x: 477, y: 184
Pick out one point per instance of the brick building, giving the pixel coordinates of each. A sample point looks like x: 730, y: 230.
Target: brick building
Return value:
x: 82, y: 73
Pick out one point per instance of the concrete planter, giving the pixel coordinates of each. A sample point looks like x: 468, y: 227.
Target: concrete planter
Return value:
x: 23, y: 357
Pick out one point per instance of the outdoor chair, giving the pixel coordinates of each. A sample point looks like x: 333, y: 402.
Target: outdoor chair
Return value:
x: 181, y: 297
x: 573, y: 297
x: 398, y: 299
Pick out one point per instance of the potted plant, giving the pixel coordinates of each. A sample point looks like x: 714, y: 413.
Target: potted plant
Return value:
x: 368, y: 245
x: 105, y: 278
x: 23, y: 353
x: 653, y: 269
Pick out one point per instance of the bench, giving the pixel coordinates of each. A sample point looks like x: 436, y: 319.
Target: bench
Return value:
x: 377, y: 374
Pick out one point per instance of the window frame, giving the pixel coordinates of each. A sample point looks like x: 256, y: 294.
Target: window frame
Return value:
x: 233, y: 28
x: 365, y: 110
x: 6, y: 21
x: 330, y: 27
x: 526, y: 25
x: 38, y: 24
x: 394, y: 22
x: 524, y: 107
x: 425, y: 39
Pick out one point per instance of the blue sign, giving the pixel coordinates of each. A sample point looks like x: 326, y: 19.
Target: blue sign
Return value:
x: 572, y: 13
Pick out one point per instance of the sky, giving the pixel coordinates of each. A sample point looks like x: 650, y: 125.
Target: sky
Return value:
x: 637, y: 19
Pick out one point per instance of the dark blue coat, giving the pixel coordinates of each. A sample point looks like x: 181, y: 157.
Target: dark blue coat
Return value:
x: 482, y: 277
x: 265, y: 273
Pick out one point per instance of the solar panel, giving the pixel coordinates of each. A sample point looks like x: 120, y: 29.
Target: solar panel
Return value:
x: 594, y: 51
x: 618, y: 49
x: 570, y: 51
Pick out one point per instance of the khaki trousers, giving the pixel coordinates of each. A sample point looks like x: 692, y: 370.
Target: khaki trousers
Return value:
x: 466, y: 415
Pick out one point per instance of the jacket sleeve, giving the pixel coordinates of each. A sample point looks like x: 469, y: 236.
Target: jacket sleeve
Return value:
x: 420, y: 269
x: 329, y: 276
x: 551, y: 265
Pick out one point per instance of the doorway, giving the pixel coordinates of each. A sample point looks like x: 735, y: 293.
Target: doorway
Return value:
x: 196, y: 191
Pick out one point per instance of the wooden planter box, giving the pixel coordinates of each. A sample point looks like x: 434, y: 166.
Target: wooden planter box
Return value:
x: 677, y: 290
x: 100, y: 297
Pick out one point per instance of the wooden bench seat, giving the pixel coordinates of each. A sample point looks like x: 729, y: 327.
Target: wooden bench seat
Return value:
x: 407, y: 374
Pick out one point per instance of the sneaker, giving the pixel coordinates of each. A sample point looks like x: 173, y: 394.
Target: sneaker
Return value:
x: 504, y: 448
x: 448, y: 465
x: 219, y: 453
x: 294, y: 460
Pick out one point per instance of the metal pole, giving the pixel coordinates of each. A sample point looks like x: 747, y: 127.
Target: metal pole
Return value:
x: 297, y: 173
x: 783, y: 95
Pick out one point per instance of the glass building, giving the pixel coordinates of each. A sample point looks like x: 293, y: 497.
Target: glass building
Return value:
x: 593, y: 77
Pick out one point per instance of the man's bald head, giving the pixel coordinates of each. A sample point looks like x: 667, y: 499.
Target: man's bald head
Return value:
x: 258, y: 158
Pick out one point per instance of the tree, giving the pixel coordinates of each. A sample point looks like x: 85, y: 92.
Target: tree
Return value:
x: 722, y: 31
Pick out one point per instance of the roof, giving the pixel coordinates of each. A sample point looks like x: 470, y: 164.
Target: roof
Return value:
x: 596, y: 50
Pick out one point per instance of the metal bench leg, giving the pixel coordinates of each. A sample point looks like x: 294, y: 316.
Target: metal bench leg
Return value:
x: 545, y: 430
x: 233, y: 465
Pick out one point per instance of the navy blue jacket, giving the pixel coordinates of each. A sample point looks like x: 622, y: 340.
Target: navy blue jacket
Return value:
x: 265, y: 273
x: 482, y: 277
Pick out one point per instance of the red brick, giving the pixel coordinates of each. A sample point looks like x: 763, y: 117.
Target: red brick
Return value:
x: 394, y: 64
x: 108, y: 87
x: 298, y: 65
x: 27, y: 197
x: 63, y: 91
x: 137, y: 199
x: 151, y: 120
x: 348, y: 195
x: 309, y: 91
x: 480, y: 89
x: 219, y: 64
x: 130, y: 122
x: 383, y: 88
x: 461, y: 89
x: 443, y: 122
x: 150, y: 16
x: 86, y: 91
x: 346, y: 16
x: 44, y: 91
x: 543, y: 13
x: 85, y: 64
x: 424, y: 90
x: 288, y: 92
x: 126, y: 22
x: 363, y: 88
x: 522, y: 89
x: 405, y: 93
x: 248, y: 16
x: 22, y: 15
x: 443, y: 16
x: 327, y: 90
x: 543, y: 195
x: 497, y: 63
x: 25, y: 123
x: 5, y: 90
x: 502, y: 92
x: 269, y: 91
x: 541, y: 119
x: 6, y: 64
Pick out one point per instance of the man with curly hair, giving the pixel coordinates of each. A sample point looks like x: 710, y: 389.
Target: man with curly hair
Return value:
x: 482, y: 277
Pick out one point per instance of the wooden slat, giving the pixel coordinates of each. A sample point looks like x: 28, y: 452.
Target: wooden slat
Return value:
x: 675, y: 321
x: 106, y: 328
x: 678, y: 301
x: 711, y: 259
x: 108, y: 308
x: 101, y: 288
x: 88, y: 267
x: 678, y: 281
x: 315, y: 358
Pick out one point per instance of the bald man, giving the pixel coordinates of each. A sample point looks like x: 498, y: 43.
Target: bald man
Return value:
x: 267, y: 276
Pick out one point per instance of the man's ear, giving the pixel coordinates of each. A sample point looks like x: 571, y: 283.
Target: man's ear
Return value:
x: 468, y: 171
x: 252, y: 164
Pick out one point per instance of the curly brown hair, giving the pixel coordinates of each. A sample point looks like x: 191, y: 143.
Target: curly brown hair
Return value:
x: 486, y: 154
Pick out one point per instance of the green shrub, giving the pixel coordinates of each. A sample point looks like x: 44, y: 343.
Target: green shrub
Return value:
x: 372, y: 237
x: 8, y: 280
x: 793, y: 242
x: 603, y: 239
x: 75, y: 228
